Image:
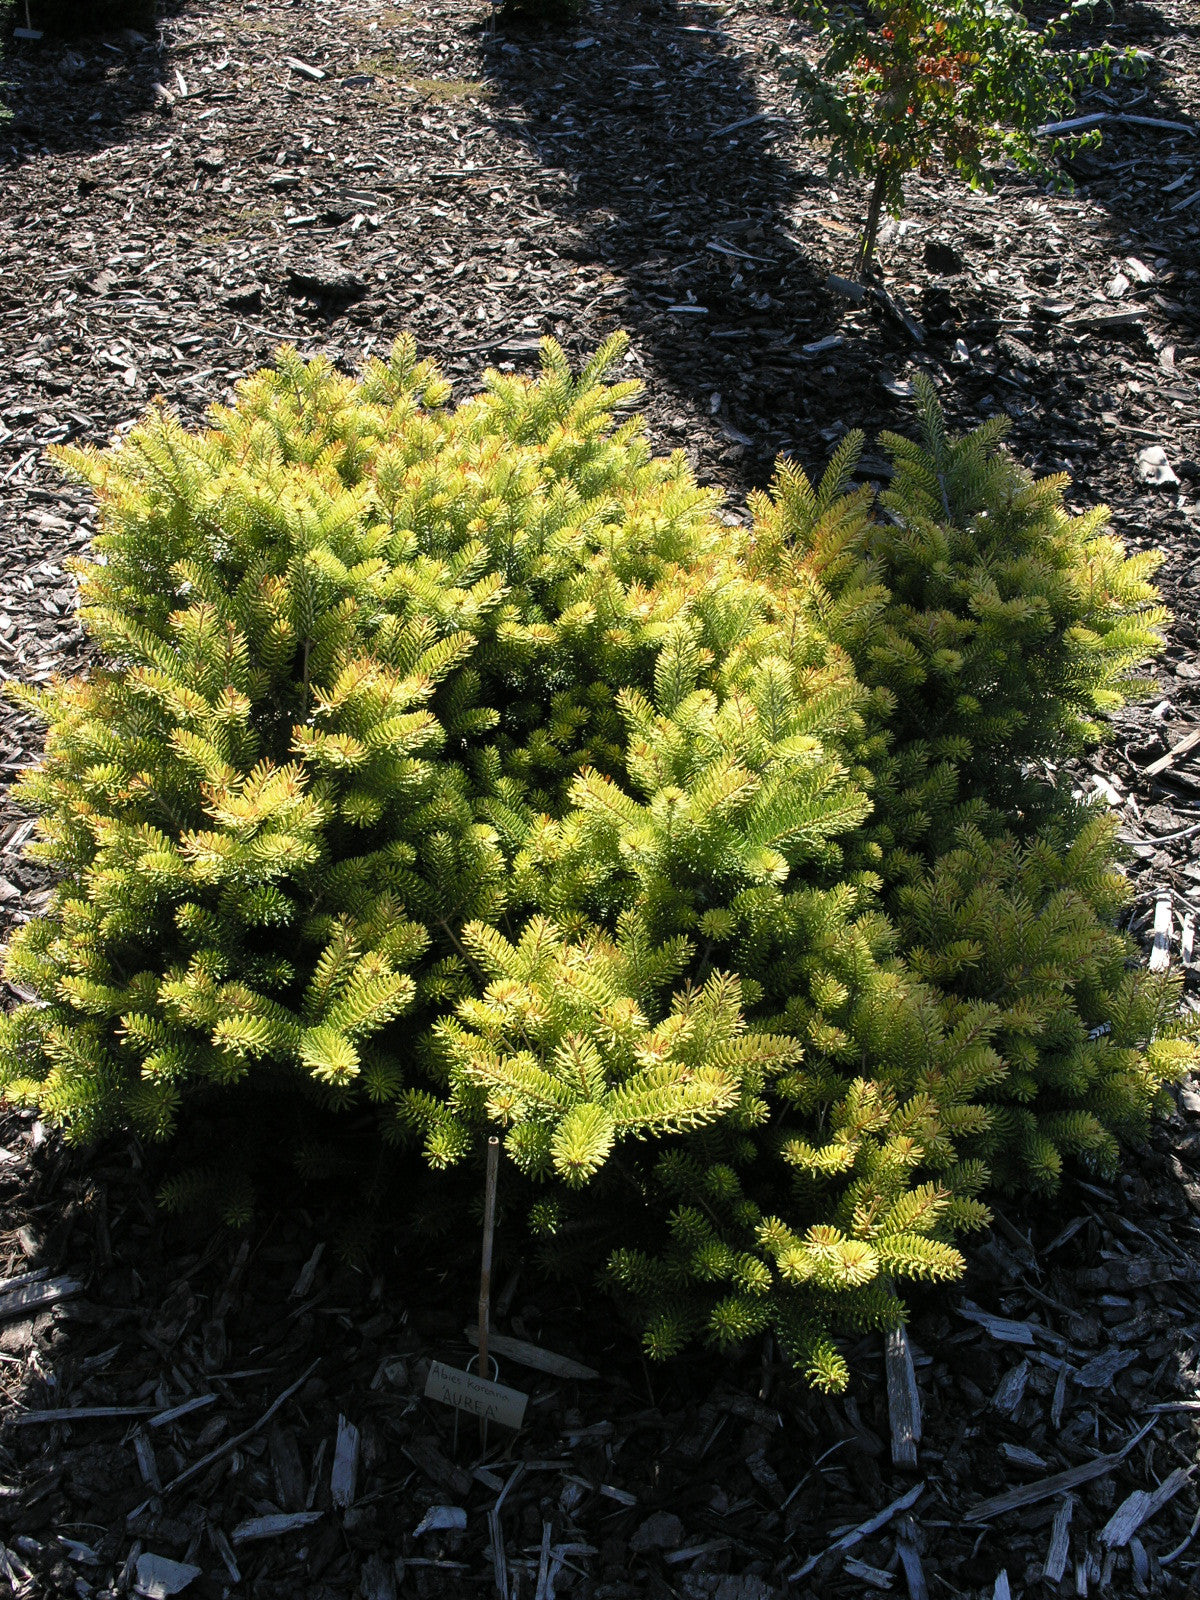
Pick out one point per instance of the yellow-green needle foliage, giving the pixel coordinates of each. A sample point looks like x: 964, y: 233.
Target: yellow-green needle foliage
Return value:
x: 465, y: 763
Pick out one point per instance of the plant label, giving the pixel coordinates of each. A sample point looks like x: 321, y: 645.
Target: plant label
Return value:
x: 494, y: 1402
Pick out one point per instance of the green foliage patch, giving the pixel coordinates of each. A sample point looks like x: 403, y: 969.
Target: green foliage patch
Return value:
x: 468, y: 764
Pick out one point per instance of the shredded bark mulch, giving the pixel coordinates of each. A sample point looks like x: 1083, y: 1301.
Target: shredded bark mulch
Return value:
x: 246, y: 1413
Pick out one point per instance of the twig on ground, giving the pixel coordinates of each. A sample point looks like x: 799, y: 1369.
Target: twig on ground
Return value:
x: 864, y: 1530
x: 1029, y: 1494
x: 231, y: 1444
x: 1093, y: 119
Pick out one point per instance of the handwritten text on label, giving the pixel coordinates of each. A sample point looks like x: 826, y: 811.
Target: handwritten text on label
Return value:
x: 479, y: 1396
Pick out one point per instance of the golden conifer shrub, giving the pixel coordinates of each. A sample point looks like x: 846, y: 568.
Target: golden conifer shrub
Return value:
x: 463, y: 762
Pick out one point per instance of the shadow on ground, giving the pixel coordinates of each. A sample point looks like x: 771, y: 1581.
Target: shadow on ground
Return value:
x: 191, y: 1395
x: 662, y: 155
x: 663, y: 158
x: 77, y: 88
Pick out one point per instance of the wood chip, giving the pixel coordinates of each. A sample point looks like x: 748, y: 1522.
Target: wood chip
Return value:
x: 864, y: 1530
x: 1059, y: 1399
x: 158, y: 1577
x: 439, y: 1519
x: 848, y: 288
x: 1003, y: 1329
x: 914, y: 1569
x: 744, y: 122
x: 430, y: 1460
x: 1093, y: 119
x: 532, y: 1356
x: 1187, y: 743
x: 1011, y: 1390
x: 378, y: 1580
x: 1100, y: 1371
x: 308, y: 1273
x: 1139, y: 1507
x: 1101, y: 320
x: 19, y: 1302
x: 225, y: 1551
x: 343, y: 1480
x: 904, y: 1398
x: 304, y: 68
x: 273, y: 1526
x: 875, y: 1576
x: 147, y: 1460
x: 25, y: 1419
x: 164, y: 1419
x: 1160, y: 952
x: 1060, y: 1483
x: 1021, y: 1456
x: 1055, y: 1563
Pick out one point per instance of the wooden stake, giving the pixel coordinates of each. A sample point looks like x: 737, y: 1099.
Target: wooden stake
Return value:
x: 485, y: 1269
x: 28, y: 31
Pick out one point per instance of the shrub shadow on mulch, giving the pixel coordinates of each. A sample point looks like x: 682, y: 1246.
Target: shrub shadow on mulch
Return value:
x: 95, y: 70
x: 657, y: 142
x: 238, y: 1366
x: 674, y: 156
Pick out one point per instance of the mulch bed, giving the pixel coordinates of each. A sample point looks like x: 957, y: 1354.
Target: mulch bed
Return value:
x: 177, y: 207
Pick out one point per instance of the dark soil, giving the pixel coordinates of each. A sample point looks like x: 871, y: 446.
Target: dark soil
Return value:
x: 174, y: 209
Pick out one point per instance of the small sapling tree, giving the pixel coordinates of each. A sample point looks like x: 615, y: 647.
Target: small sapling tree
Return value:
x: 940, y: 85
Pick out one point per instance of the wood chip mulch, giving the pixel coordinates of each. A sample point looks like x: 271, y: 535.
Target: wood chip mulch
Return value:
x: 243, y: 1414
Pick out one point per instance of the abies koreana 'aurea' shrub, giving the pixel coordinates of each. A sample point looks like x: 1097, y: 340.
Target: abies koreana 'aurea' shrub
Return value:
x: 466, y: 764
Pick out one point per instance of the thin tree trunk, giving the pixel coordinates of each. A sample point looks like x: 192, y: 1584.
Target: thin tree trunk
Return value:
x: 866, y: 249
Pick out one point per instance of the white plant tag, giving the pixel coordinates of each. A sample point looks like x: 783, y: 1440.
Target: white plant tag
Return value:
x: 479, y: 1396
